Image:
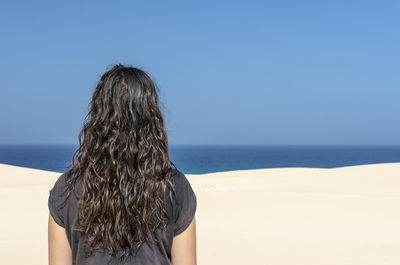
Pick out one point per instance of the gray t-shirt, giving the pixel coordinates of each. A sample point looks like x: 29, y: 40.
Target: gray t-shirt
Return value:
x: 182, y: 211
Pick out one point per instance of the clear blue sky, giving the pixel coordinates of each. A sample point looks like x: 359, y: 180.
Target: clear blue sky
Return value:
x: 248, y: 72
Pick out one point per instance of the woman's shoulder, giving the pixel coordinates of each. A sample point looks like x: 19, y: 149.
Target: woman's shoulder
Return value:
x: 182, y: 185
x: 186, y: 202
x: 180, y: 180
x: 60, y: 185
x: 56, y: 200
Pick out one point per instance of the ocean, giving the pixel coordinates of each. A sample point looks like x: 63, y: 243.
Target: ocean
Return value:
x: 199, y: 159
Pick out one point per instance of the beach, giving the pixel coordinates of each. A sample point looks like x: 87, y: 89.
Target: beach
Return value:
x: 280, y: 216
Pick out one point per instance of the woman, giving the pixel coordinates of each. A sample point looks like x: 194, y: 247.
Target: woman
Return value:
x: 121, y: 202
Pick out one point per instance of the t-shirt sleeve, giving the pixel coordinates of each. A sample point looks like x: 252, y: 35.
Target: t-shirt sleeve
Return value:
x: 186, y: 204
x: 54, y: 201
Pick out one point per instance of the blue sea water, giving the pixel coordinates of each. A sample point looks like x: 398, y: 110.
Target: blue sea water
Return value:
x: 198, y: 159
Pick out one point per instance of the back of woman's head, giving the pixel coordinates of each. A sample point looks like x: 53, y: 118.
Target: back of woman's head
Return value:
x: 122, y: 163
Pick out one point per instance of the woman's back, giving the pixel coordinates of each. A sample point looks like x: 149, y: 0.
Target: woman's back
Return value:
x: 182, y: 212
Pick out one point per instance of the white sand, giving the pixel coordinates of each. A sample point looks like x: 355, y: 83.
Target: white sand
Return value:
x: 296, y: 216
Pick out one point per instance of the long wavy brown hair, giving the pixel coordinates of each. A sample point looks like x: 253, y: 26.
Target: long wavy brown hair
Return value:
x: 122, y: 164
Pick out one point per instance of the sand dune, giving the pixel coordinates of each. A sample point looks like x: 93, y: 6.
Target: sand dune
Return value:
x: 348, y: 215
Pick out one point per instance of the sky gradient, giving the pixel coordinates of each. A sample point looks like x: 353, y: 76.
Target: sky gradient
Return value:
x: 248, y: 72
